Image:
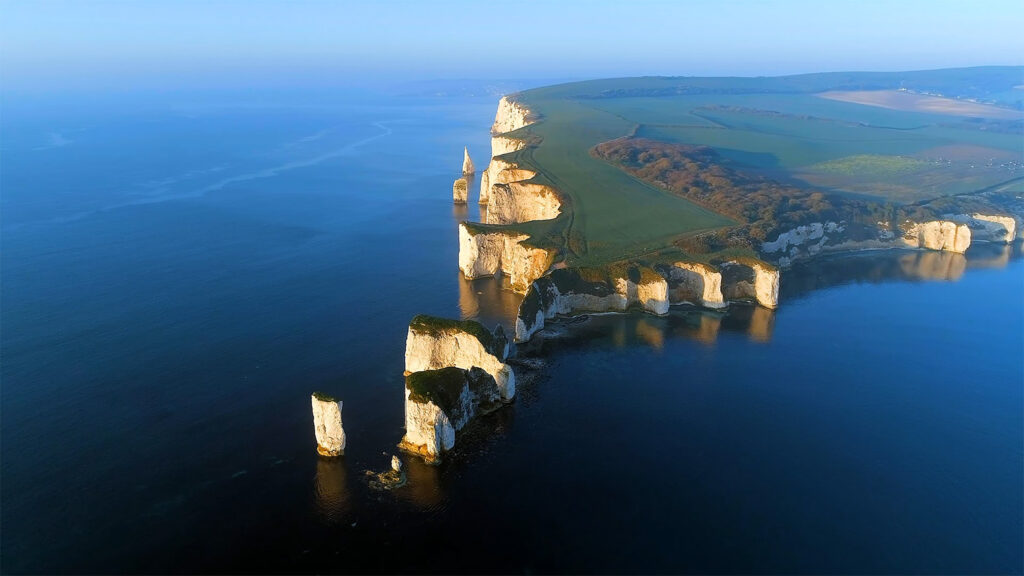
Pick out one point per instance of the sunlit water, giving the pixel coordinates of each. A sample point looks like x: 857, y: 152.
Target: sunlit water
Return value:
x: 179, y: 276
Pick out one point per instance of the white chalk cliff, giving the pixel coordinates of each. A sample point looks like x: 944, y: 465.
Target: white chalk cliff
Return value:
x: 488, y: 253
x: 501, y: 169
x: 510, y: 116
x: 467, y: 163
x: 569, y: 291
x: 330, y: 435
x: 434, y: 343
x: 511, y: 199
x: 521, y: 202
x: 989, y: 227
x: 439, y: 403
x: 694, y: 282
x: 951, y: 235
x: 759, y: 282
x: 937, y: 235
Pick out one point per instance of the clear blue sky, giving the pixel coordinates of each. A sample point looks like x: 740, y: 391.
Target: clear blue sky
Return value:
x: 45, y: 41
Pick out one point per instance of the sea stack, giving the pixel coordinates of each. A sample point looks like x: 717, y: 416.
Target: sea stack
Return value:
x: 467, y: 163
x: 460, y: 190
x: 330, y: 436
x: 434, y: 343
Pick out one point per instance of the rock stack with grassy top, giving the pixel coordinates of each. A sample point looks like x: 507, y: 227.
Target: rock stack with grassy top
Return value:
x: 455, y: 370
x: 330, y: 435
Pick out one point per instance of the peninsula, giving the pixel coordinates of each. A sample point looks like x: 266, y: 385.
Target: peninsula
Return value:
x: 647, y: 192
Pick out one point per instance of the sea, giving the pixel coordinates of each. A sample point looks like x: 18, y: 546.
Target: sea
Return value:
x: 182, y: 269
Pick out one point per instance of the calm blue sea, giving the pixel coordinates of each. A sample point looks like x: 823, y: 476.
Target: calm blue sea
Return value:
x: 181, y: 271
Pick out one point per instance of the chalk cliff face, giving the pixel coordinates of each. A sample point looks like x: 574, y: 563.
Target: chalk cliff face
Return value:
x: 460, y: 190
x: 438, y: 403
x: 937, y: 235
x: 501, y: 171
x: 575, y: 290
x: 751, y: 280
x: 952, y: 235
x: 485, y: 186
x: 487, y: 253
x: 505, y: 144
x: 521, y: 202
x: 568, y: 291
x: 330, y: 435
x: 811, y: 236
x: 989, y: 227
x: 434, y: 343
x: 510, y: 116
x: 693, y: 282
x: 467, y: 163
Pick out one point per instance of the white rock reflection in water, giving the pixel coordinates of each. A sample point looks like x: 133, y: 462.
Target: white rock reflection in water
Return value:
x: 934, y: 265
x: 333, y: 501
x: 488, y: 300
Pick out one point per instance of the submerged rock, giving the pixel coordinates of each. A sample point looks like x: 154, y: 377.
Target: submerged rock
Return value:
x: 330, y: 435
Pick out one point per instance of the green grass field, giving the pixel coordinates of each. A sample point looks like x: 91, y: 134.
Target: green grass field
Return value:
x: 777, y: 126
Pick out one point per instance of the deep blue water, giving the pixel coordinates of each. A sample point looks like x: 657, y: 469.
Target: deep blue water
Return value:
x: 179, y: 273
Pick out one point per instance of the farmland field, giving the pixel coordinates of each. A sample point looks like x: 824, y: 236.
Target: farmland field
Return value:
x: 857, y: 144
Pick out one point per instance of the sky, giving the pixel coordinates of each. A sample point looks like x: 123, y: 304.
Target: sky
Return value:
x: 46, y: 43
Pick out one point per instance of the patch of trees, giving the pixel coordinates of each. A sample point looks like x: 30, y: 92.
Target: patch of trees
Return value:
x: 763, y: 207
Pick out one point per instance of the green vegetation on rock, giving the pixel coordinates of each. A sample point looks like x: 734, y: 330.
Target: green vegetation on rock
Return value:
x: 442, y: 387
x: 436, y: 326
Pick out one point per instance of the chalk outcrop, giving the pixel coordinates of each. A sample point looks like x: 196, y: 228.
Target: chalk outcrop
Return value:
x: 575, y: 290
x: 467, y: 163
x: 501, y: 145
x: 488, y: 253
x: 953, y: 234
x: 937, y: 235
x: 510, y: 116
x: 455, y: 370
x: 439, y: 403
x: 989, y: 227
x: 521, y: 202
x: 568, y: 291
x: 693, y: 282
x: 485, y: 186
x: 330, y: 435
x: 460, y: 190
x: 751, y: 279
x: 435, y: 343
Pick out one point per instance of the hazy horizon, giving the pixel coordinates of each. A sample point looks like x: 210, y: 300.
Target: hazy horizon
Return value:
x: 107, y: 45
